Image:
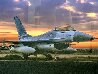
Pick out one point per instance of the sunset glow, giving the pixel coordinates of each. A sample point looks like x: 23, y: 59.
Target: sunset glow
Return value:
x: 40, y: 16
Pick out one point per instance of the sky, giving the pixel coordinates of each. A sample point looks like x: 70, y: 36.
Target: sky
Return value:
x: 40, y: 16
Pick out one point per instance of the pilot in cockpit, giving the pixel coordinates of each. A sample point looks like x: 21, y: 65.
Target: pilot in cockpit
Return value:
x: 68, y: 28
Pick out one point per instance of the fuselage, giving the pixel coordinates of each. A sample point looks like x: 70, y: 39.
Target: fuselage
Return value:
x: 60, y: 36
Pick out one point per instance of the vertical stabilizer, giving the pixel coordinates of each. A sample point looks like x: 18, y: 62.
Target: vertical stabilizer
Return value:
x: 20, y: 28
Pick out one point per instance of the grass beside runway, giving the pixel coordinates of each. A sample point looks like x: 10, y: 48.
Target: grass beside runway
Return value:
x: 66, y: 64
x: 42, y: 67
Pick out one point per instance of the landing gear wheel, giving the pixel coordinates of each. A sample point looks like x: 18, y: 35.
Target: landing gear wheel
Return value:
x: 25, y: 56
x: 35, y: 56
x: 90, y: 51
x: 57, y: 58
x: 49, y: 57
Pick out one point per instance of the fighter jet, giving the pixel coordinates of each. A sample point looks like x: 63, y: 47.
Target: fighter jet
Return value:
x: 54, y: 40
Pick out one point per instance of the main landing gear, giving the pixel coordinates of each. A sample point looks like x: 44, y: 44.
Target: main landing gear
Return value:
x: 48, y: 56
x: 25, y: 56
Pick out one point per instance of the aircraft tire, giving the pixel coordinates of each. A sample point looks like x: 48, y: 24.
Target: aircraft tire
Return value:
x: 49, y: 57
x: 25, y: 56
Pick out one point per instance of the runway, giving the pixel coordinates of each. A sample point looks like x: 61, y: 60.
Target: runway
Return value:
x: 6, y: 55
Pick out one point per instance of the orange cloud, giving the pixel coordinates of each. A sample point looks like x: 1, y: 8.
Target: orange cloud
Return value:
x: 85, y: 45
x: 8, y: 37
x: 11, y: 27
x: 8, y: 30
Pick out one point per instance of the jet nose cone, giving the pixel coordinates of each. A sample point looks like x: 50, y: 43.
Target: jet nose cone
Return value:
x: 80, y: 36
x: 91, y: 38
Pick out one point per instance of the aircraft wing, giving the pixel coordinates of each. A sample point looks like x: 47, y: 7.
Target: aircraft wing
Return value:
x: 26, y: 42
x: 33, y: 43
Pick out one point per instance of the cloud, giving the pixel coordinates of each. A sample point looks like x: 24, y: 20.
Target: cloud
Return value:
x: 9, y: 28
x: 69, y: 8
x: 47, y: 13
x: 45, y: 9
x: 16, y: 0
x: 11, y: 8
x: 91, y: 15
x: 87, y: 26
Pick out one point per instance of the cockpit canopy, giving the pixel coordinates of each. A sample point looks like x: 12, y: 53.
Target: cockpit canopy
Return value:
x: 68, y: 28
